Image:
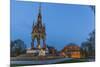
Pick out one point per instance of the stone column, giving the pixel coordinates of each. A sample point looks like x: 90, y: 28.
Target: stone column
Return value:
x: 44, y: 44
x: 32, y: 44
x: 38, y: 43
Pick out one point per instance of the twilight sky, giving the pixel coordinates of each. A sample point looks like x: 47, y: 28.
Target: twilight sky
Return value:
x: 65, y: 23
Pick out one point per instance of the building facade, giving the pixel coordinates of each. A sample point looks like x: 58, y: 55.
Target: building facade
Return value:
x: 72, y: 51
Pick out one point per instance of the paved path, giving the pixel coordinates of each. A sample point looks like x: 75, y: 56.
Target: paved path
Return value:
x: 39, y: 61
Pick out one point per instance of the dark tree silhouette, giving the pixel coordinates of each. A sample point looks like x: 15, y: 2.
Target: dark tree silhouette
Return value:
x: 88, y: 47
x: 11, y: 48
x: 17, y: 47
x: 52, y: 50
x: 92, y: 8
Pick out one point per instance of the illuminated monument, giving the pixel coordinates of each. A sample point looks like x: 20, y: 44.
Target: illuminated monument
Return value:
x: 38, y: 33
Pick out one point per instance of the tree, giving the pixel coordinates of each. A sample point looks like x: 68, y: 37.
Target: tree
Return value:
x: 17, y: 47
x: 52, y: 50
x: 91, y: 39
x: 88, y: 47
x: 11, y: 48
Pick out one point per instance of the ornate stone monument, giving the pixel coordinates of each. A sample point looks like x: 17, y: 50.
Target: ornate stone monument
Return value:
x: 38, y: 33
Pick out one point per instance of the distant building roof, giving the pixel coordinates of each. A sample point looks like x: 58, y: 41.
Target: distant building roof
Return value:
x: 71, y: 47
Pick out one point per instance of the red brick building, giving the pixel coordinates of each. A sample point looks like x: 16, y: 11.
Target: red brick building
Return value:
x: 72, y: 51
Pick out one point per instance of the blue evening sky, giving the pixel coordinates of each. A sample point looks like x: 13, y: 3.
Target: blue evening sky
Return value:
x: 65, y: 23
